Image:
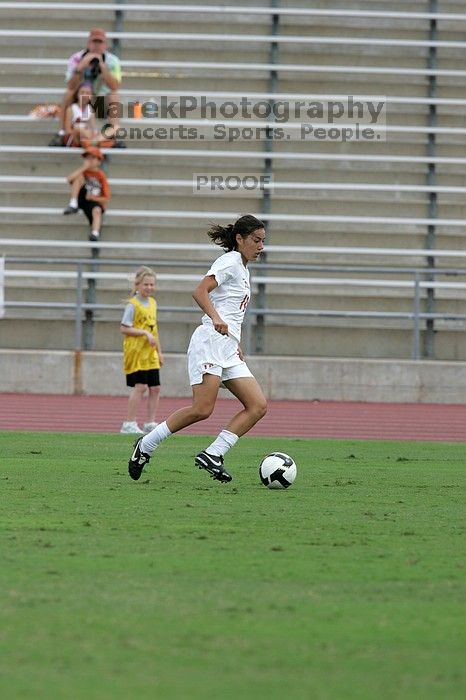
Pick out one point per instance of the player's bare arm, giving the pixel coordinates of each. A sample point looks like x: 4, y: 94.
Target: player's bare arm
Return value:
x: 202, y: 299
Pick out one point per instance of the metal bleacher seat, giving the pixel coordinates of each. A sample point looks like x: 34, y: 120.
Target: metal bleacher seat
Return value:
x: 327, y: 197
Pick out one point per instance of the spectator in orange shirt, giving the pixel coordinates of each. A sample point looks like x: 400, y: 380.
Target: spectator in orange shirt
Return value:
x: 89, y: 191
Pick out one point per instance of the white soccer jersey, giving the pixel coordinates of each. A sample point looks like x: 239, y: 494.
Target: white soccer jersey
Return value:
x: 231, y: 297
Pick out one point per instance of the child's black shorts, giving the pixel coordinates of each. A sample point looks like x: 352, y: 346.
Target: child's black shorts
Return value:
x: 151, y: 377
x: 85, y: 205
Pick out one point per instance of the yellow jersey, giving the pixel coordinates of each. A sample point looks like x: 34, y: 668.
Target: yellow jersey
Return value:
x: 138, y: 354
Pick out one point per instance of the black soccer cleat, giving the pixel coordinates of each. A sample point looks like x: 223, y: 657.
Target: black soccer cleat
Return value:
x: 70, y: 210
x: 137, y: 461
x: 214, y: 465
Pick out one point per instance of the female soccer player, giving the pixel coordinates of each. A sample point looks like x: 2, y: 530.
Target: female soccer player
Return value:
x: 214, y: 353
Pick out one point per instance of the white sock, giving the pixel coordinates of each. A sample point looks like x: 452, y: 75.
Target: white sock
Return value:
x: 153, y: 439
x: 73, y: 202
x: 222, y: 444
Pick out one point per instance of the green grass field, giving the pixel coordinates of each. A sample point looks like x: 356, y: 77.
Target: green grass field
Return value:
x: 348, y: 585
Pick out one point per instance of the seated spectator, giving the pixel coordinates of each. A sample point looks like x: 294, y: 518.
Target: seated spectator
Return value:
x: 90, y: 191
x: 80, y: 125
x: 101, y: 69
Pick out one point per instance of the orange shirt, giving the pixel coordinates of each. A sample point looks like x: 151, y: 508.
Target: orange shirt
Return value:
x: 96, y: 183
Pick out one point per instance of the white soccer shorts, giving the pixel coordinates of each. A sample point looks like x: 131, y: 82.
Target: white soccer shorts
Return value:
x: 210, y: 352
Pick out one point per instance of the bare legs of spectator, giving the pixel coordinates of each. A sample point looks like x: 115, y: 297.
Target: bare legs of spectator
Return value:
x: 66, y: 102
x: 135, y: 398
x: 113, y: 108
x: 134, y: 401
x: 154, y: 395
x: 96, y: 223
x: 76, y: 185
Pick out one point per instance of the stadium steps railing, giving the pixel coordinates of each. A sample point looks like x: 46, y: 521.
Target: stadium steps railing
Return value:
x: 416, y: 287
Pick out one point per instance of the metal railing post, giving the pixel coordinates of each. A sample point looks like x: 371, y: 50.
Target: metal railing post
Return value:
x: 79, y: 309
x: 431, y: 181
x: 416, y: 353
x: 91, y: 298
x: 117, y: 27
x: 261, y: 301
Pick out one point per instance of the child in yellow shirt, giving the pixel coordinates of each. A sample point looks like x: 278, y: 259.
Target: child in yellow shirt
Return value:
x: 142, y: 353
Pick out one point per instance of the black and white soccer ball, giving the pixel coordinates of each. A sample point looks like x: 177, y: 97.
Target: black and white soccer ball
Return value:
x: 277, y: 471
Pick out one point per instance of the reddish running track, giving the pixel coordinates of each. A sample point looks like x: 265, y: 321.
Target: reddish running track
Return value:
x: 306, y: 419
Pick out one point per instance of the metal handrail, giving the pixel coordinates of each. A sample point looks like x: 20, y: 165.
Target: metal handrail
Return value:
x: 262, y: 279
x: 296, y: 267
x: 416, y: 315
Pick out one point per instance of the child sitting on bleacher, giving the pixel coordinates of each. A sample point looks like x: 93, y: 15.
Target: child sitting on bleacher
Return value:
x: 80, y: 125
x: 90, y: 191
x: 80, y: 122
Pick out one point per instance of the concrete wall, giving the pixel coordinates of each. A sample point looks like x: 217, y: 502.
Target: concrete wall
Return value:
x: 62, y: 372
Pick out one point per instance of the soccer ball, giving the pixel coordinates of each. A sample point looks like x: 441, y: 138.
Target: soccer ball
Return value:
x: 277, y: 471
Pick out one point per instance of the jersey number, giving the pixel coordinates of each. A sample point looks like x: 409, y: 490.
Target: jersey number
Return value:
x: 244, y: 302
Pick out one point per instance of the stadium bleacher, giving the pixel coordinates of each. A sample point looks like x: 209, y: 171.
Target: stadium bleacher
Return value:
x: 328, y: 197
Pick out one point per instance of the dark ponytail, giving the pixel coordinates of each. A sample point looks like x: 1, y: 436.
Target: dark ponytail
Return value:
x: 225, y: 236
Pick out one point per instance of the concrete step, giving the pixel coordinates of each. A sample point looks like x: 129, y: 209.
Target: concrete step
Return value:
x: 351, y: 339
x: 309, y: 206
x: 25, y: 95
x: 132, y: 167
x: 317, y: 233
x: 139, y: 161
x: 161, y: 196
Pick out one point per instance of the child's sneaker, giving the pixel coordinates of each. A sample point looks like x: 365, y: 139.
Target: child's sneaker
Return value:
x: 70, y: 210
x: 149, y: 426
x: 131, y: 428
